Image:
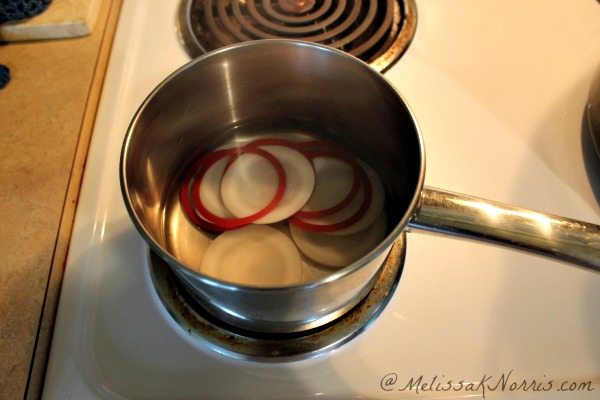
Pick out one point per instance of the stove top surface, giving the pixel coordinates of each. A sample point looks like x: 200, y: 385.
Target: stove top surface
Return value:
x: 498, y: 90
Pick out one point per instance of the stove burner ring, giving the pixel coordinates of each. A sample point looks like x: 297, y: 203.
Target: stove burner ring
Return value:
x: 207, y: 330
x: 378, y: 32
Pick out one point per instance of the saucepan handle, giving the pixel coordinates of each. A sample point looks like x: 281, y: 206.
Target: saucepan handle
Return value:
x: 561, y: 238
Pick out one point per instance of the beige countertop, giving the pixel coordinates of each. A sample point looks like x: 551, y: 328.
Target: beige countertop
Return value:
x: 61, y: 19
x: 46, y: 117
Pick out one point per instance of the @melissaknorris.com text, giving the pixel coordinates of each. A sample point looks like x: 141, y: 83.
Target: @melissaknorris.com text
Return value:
x: 505, y: 382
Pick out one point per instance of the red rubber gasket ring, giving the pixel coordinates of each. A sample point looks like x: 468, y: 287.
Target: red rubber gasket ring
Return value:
x: 362, y: 210
x: 232, y: 223
x: 185, y: 193
x: 356, y: 181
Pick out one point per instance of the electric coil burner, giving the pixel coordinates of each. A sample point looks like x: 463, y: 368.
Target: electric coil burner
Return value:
x: 227, y: 339
x: 377, y: 32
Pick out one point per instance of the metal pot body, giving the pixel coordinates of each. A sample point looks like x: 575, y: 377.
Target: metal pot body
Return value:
x: 286, y: 87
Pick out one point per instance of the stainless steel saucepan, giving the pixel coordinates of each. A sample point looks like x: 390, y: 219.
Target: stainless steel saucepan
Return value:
x: 285, y: 88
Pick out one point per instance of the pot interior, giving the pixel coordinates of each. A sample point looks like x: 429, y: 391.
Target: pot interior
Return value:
x: 281, y: 89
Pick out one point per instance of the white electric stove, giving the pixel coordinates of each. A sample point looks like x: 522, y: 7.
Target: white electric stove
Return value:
x: 498, y: 89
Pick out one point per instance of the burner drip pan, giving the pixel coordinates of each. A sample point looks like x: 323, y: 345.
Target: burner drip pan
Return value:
x: 377, y: 32
x: 206, y: 329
